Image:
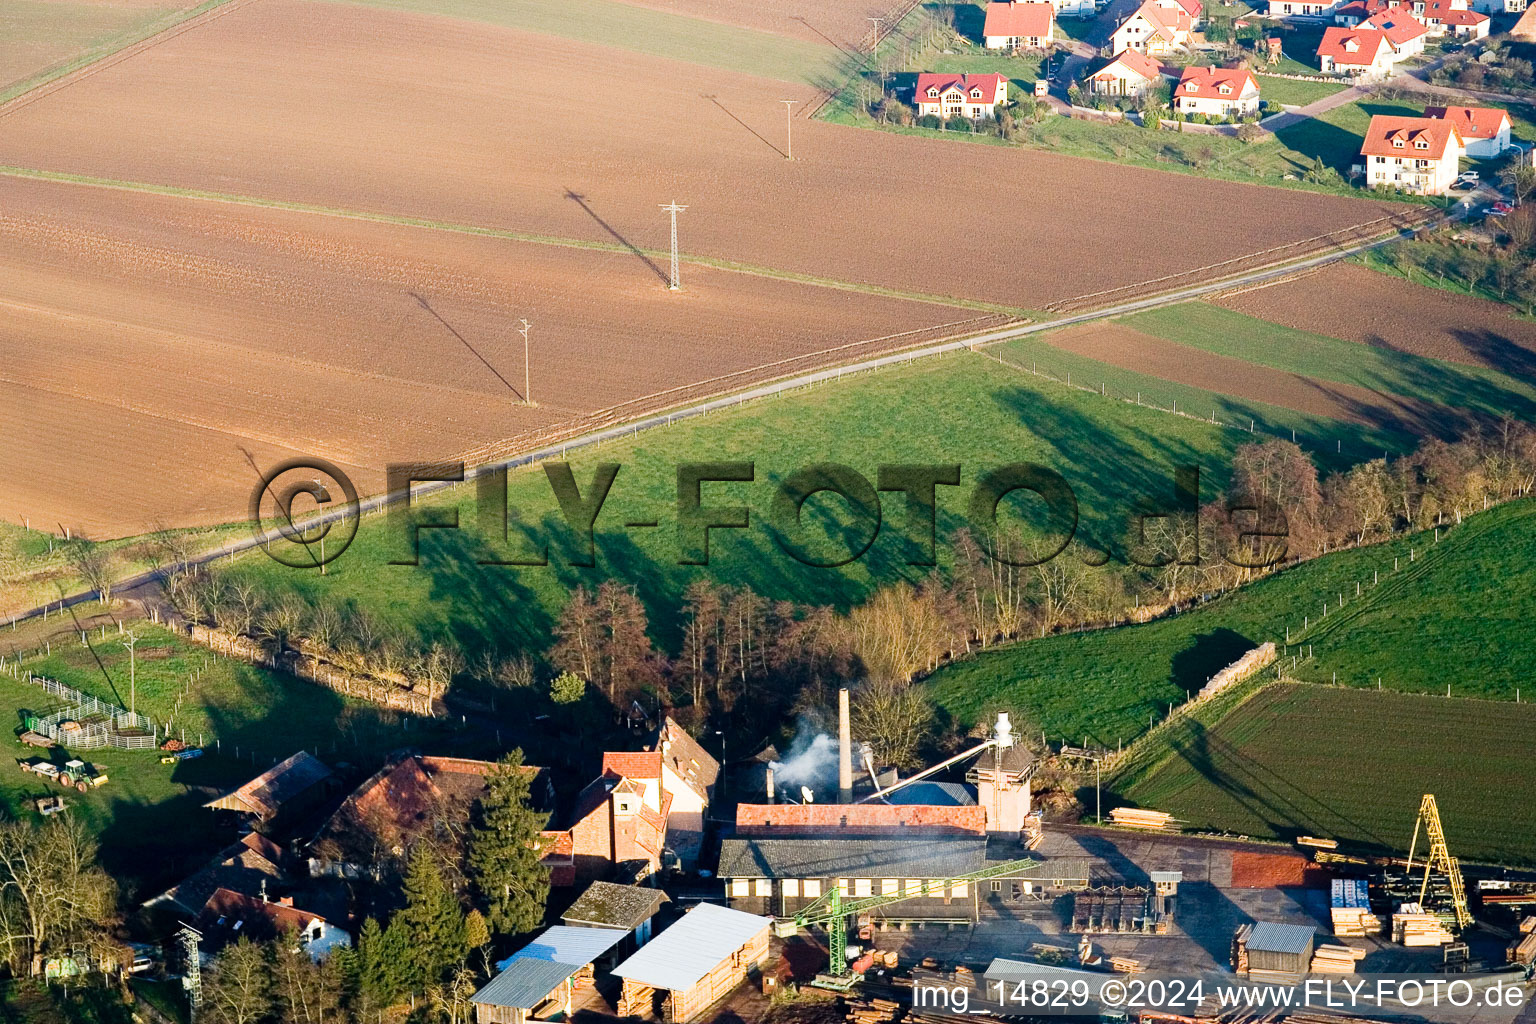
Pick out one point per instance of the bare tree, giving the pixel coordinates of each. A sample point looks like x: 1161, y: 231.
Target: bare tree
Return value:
x: 239, y: 988
x: 894, y: 718
x: 51, y: 891
x: 97, y: 566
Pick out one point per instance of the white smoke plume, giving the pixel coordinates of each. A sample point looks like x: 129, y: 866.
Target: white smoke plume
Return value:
x: 811, y: 761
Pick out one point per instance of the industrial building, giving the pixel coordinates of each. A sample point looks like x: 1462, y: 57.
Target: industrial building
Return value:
x: 693, y: 964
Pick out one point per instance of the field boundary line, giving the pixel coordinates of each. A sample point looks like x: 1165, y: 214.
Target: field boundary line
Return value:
x: 51, y: 80
x: 508, y: 234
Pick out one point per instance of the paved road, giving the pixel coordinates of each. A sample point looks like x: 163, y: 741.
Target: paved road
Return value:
x: 379, y: 502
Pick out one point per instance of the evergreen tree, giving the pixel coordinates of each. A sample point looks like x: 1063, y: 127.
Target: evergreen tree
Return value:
x: 504, y: 851
x: 432, y: 921
x: 381, y: 957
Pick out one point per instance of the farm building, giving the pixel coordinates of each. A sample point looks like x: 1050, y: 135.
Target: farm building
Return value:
x: 1128, y: 74
x: 626, y: 908
x: 1216, y: 92
x: 1484, y: 131
x: 228, y: 916
x: 1153, y: 30
x: 972, y: 96
x: 541, y: 980
x: 247, y: 866
x: 1266, y: 950
x: 285, y: 788
x: 1415, y: 154
x: 1019, y: 26
x: 1361, y: 52
x: 693, y: 964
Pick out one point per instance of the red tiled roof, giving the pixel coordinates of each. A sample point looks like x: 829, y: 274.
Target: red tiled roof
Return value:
x: 768, y: 819
x: 1454, y: 16
x: 1363, y: 9
x: 1355, y: 46
x: 994, y: 88
x: 1138, y: 63
x: 1384, y: 130
x: 645, y: 764
x: 1011, y: 20
x: 260, y: 918
x: 1191, y: 7
x: 1472, y: 122
x: 681, y: 752
x: 1166, y: 22
x: 1201, y: 82
x: 1398, y: 26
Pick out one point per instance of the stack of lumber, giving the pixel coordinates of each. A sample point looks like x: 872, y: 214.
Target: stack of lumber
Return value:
x: 1316, y: 843
x: 1351, y: 908
x: 1034, y: 830
x: 1412, y: 927
x: 1240, y: 949
x: 1137, y: 817
x: 887, y: 958
x: 1335, y: 959
x: 871, y: 1011
x: 1528, y: 925
x: 1523, y: 951
x: 1125, y: 965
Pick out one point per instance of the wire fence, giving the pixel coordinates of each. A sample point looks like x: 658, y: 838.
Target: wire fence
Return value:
x: 88, y: 723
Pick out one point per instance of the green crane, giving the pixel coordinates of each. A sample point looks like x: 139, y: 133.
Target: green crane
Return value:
x: 832, y: 909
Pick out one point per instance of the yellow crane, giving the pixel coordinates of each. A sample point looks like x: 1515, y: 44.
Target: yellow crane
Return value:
x: 1439, y: 857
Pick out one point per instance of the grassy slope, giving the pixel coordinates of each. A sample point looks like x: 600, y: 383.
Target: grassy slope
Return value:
x: 1427, y: 624
x: 1438, y: 382
x: 657, y: 33
x: 1279, y: 92
x: 1350, y: 764
x: 964, y: 408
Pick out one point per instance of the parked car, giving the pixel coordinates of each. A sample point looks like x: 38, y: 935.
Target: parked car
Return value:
x: 1471, y: 176
x: 1500, y: 209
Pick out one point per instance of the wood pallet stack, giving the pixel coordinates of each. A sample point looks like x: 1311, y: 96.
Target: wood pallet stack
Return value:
x: 1351, y: 908
x: 1139, y: 817
x: 1412, y: 927
x: 1523, y: 951
x: 1125, y: 965
x: 1335, y: 959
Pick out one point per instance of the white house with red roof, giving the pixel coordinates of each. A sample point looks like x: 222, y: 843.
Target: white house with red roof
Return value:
x: 972, y: 96
x: 1128, y: 74
x: 1302, y: 8
x: 1019, y: 26
x: 1153, y: 30
x: 1452, y: 17
x: 1193, y: 8
x: 1361, y: 52
x: 1404, y: 33
x: 1414, y: 154
x: 1357, y: 11
x: 1484, y: 131
x: 1216, y: 92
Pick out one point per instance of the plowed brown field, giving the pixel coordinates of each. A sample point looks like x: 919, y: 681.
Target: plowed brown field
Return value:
x: 1125, y: 347
x: 1346, y: 300
x: 145, y: 341
x: 841, y: 23
x: 388, y: 111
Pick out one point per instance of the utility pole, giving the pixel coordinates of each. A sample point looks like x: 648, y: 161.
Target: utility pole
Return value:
x: 676, y: 283
x: 876, y: 22
x: 132, y: 675
x: 789, y: 129
x: 527, y: 372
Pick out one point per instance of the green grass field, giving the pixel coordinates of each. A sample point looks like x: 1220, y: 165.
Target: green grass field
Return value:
x: 1453, y: 386
x: 655, y: 33
x: 1278, y: 92
x: 1349, y: 764
x: 964, y: 409
x: 1425, y: 624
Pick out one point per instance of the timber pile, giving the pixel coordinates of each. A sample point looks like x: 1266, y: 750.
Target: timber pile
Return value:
x: 1316, y: 843
x: 1351, y: 908
x: 1034, y: 831
x: 1528, y: 925
x: 1138, y: 817
x: 1125, y: 965
x: 872, y: 1011
x: 1240, y: 949
x: 1412, y: 927
x: 1524, y: 951
x: 1335, y: 959
x: 636, y: 999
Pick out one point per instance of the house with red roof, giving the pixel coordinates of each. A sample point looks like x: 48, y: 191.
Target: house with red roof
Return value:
x: 1453, y: 17
x: 1128, y: 74
x: 1216, y: 92
x: 1404, y: 33
x: 1414, y: 154
x: 229, y: 916
x: 1302, y: 8
x: 1484, y: 131
x: 1019, y: 26
x: 1153, y: 30
x: 1360, y: 52
x: 972, y: 96
x: 1357, y: 11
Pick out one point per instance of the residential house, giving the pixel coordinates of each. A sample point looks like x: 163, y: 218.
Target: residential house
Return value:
x: 541, y: 980
x: 1216, y: 92
x: 1074, y: 8
x: 1524, y: 30
x: 972, y: 96
x: 1451, y: 17
x: 1128, y: 74
x: 1499, y: 6
x: 1358, y: 11
x: 287, y: 788
x: 685, y: 773
x: 1403, y: 32
x: 1019, y: 26
x: 412, y: 796
x: 1360, y: 52
x: 1152, y: 30
x: 1484, y: 131
x: 630, y: 909
x: 694, y: 964
x: 229, y: 915
x: 1301, y: 8
x: 1193, y: 8
x: 619, y: 828
x: 1415, y: 154
x: 247, y: 866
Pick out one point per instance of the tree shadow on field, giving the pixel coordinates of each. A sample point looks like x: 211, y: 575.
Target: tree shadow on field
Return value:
x: 756, y: 134
x: 1210, y: 652
x: 581, y: 201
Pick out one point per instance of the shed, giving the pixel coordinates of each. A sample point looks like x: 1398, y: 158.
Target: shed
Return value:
x: 627, y: 908
x: 693, y: 964
x: 539, y: 980
x: 298, y: 779
x: 1279, y: 948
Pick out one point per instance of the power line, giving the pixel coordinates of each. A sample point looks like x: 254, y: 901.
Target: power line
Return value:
x: 527, y: 372
x: 789, y: 129
x: 674, y: 209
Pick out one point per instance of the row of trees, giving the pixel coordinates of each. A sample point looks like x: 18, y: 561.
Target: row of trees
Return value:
x: 1504, y: 269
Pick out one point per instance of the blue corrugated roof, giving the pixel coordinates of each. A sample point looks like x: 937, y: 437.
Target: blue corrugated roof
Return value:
x: 1270, y: 937
x: 567, y: 945
x: 524, y: 982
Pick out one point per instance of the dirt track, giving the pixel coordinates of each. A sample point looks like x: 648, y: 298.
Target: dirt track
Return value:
x: 380, y: 110
x: 1349, y: 301
x: 145, y: 340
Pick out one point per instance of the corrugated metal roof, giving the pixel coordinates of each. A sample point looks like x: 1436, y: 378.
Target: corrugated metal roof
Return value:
x: 1007, y: 970
x: 838, y: 856
x: 1166, y: 876
x: 678, y: 957
x: 524, y: 982
x: 566, y: 945
x: 935, y: 794
x: 1270, y: 937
